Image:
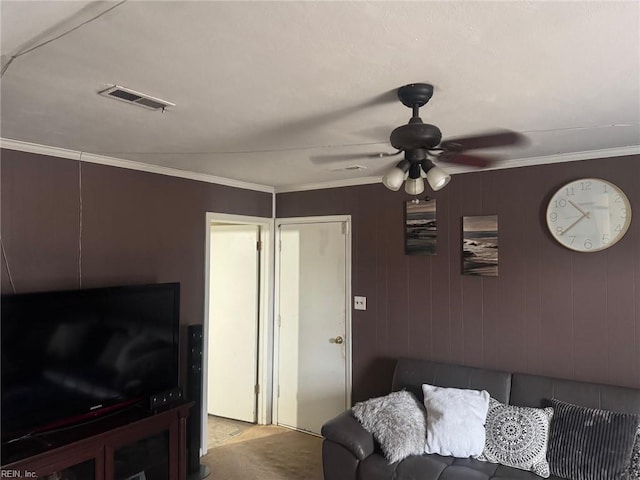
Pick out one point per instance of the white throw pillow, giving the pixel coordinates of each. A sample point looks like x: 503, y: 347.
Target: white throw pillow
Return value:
x: 455, y: 420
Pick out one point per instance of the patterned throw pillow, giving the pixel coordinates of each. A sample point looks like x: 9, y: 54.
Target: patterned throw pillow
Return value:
x: 517, y: 437
x: 633, y: 473
x: 397, y: 421
x: 590, y: 443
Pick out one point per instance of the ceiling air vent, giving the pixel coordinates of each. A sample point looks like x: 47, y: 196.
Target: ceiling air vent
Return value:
x: 131, y: 96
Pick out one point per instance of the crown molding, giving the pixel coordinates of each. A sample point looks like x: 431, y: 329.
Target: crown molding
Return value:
x: 174, y: 172
x: 39, y: 149
x: 128, y: 164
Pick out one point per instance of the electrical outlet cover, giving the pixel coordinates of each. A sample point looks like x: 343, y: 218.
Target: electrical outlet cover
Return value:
x: 360, y: 303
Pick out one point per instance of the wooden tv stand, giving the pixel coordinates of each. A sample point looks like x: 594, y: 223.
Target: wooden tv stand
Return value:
x: 125, y: 446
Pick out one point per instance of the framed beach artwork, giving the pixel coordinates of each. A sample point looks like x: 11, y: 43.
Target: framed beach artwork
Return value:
x: 480, y: 245
x: 420, y: 227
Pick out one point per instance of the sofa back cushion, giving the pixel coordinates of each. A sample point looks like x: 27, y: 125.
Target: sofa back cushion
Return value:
x: 537, y: 391
x: 410, y: 374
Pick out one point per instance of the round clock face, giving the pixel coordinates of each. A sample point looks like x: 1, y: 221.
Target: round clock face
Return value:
x: 588, y: 215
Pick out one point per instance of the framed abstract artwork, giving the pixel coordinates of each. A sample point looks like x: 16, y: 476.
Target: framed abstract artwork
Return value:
x: 420, y: 227
x: 480, y: 245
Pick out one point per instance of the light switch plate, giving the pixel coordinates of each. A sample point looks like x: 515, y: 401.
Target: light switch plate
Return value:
x: 359, y: 303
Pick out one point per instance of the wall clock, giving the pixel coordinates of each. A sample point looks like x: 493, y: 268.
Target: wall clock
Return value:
x: 588, y: 215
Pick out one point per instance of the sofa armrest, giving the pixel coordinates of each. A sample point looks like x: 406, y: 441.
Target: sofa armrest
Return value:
x: 348, y: 432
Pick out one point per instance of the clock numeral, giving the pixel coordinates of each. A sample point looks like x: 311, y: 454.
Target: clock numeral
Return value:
x: 618, y: 228
x: 559, y: 230
x: 573, y: 239
x: 570, y: 191
x: 606, y: 188
x: 585, y: 185
x: 618, y: 198
x: 587, y: 244
x: 623, y: 212
x: 553, y: 217
x: 561, y: 203
x: 605, y: 238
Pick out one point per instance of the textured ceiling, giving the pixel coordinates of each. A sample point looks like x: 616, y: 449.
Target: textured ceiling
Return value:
x: 264, y: 91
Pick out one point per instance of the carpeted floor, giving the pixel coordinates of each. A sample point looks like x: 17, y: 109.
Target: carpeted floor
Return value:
x: 241, y: 451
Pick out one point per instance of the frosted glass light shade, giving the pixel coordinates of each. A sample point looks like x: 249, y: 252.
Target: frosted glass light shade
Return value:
x: 414, y: 186
x: 437, y: 178
x: 393, y: 180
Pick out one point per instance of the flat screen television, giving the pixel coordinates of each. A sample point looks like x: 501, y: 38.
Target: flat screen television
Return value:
x: 70, y: 356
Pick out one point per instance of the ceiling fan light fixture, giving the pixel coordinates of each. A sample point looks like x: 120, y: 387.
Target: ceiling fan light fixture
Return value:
x: 394, y: 178
x: 414, y: 186
x: 420, y: 142
x: 438, y: 179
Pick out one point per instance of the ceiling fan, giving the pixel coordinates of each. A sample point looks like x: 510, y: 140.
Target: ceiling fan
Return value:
x: 422, y: 142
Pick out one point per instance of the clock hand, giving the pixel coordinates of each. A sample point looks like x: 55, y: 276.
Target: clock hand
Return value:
x: 584, y: 215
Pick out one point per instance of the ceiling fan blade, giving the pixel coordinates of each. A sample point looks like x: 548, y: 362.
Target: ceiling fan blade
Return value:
x: 497, y: 138
x: 466, y: 159
x: 336, y: 158
x: 390, y: 96
x: 380, y: 133
x: 350, y: 156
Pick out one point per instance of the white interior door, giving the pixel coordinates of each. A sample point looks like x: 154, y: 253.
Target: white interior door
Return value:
x: 233, y: 321
x: 313, y: 343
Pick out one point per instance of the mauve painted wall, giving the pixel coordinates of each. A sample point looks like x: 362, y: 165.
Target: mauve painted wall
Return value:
x: 550, y: 311
x: 137, y: 227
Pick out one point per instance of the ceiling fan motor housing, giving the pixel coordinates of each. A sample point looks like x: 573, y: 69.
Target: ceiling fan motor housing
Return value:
x: 416, y: 135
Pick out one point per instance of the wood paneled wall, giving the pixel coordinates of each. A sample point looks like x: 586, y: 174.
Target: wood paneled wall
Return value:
x: 136, y: 227
x: 550, y: 311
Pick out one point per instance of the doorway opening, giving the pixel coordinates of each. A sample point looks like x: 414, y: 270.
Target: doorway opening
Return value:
x: 237, y: 333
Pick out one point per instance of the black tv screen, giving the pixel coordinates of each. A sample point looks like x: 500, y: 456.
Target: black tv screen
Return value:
x: 71, y: 355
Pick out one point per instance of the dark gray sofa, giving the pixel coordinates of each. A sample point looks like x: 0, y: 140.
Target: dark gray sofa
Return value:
x: 350, y: 453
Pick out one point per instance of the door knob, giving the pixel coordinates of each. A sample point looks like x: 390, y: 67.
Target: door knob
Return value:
x: 338, y: 340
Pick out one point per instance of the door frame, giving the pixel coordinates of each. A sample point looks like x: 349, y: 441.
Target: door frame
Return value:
x: 348, y: 307
x: 265, y: 316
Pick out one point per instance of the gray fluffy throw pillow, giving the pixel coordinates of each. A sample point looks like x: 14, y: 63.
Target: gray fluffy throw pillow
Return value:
x: 397, y: 421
